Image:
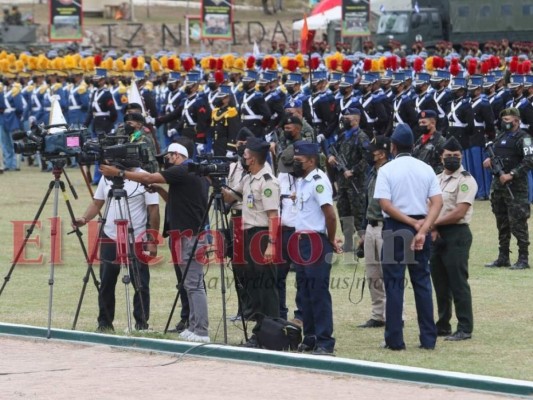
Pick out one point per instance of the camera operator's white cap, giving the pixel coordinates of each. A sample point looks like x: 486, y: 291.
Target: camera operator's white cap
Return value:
x: 178, y: 148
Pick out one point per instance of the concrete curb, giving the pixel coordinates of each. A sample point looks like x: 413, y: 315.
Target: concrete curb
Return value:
x: 327, y: 364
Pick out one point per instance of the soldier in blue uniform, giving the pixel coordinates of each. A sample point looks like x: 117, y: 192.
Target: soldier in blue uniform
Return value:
x: 460, y: 116
x: 346, y: 98
x: 274, y: 98
x: 146, y: 93
x: 483, y: 128
x: 293, y: 85
x: 78, y: 99
x: 173, y: 103
x: 374, y: 118
x: 424, y: 99
x: 13, y: 111
x: 255, y: 113
x: 225, y: 121
x: 37, y: 113
x: 501, y: 89
x: 320, y: 106
x: 403, y: 108
x: 442, y: 97
x: 496, y: 102
x: 519, y: 101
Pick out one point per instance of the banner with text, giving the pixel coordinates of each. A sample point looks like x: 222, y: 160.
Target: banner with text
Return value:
x: 66, y: 20
x: 355, y: 18
x: 217, y: 19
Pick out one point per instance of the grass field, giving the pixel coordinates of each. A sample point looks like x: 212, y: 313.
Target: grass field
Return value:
x: 502, y: 343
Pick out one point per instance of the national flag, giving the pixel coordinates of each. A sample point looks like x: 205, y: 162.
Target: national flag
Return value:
x: 56, y: 118
x: 304, y: 34
x: 256, y: 51
x: 135, y: 97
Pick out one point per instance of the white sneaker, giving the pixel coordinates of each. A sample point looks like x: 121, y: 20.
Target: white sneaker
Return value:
x: 199, y: 339
x: 186, y: 334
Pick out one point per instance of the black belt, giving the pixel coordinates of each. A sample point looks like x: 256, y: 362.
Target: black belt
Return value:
x: 236, y: 213
x: 417, y: 216
x: 374, y: 222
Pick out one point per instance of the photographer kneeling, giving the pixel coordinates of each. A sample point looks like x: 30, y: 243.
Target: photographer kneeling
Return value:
x: 186, y: 205
x: 143, y: 207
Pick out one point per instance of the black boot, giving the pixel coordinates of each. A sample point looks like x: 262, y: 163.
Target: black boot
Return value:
x: 501, y: 261
x: 523, y: 261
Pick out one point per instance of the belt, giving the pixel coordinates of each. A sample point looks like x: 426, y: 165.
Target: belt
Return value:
x: 236, y: 213
x: 35, y: 108
x: 457, y: 125
x: 74, y: 107
x: 417, y: 216
x: 248, y: 117
x: 47, y: 108
x: 374, y: 222
x: 101, y: 114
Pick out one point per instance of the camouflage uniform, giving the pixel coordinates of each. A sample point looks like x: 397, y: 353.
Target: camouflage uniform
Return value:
x: 516, y: 151
x: 429, y: 152
x: 349, y: 203
x: 152, y: 165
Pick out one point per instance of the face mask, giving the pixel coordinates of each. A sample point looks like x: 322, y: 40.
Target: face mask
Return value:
x: 245, y: 166
x: 217, y: 103
x: 249, y: 86
x: 370, y: 159
x: 514, y: 92
x: 343, y: 91
x: 332, y: 88
x: 129, y: 129
x: 456, y: 95
x: 212, y: 86
x: 288, y: 134
x: 188, y: 90
x: 507, y: 126
x: 452, y: 163
x: 347, y: 125
x: 418, y: 89
x: 472, y: 94
x: 298, y: 169
x: 167, y: 164
x: 314, y: 88
x: 435, y: 85
x: 488, y: 92
x: 394, y: 90
x: 240, y: 151
x: 290, y: 90
x: 424, y: 129
x: 262, y: 89
x: 233, y: 79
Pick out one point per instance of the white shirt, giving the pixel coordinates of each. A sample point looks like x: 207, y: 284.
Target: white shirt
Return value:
x: 138, y: 200
x: 312, y: 193
x: 408, y: 183
x: 289, y: 209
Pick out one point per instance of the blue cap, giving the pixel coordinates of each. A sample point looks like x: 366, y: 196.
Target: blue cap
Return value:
x: 351, y: 111
x: 267, y: 76
x: 427, y: 114
x: 335, y: 76
x: 498, y: 74
x: 458, y: 83
x: 138, y: 53
x: 475, y: 82
x: 99, y: 73
x: 319, y: 75
x: 408, y: 74
x: 403, y: 135
x: 516, y: 80
x: 293, y: 103
x: 347, y: 80
x: 192, y: 77
x: 369, y: 78
x: 293, y: 78
x: 398, y: 77
x: 528, y: 81
x: 173, y: 76
x: 258, y: 145
x: 52, y: 54
x: 139, y: 74
x: 224, y: 90
x: 250, y: 75
x: 387, y: 74
x: 422, y: 77
x: 440, y: 75
x: 111, y: 54
x: 489, y: 80
x: 304, y: 148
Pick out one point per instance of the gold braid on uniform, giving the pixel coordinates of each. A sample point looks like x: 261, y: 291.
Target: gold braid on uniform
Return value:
x: 231, y: 112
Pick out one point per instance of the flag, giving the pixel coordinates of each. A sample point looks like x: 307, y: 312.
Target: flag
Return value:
x: 256, y: 50
x: 56, y: 117
x: 417, y: 9
x: 382, y: 8
x: 304, y: 34
x: 135, y: 97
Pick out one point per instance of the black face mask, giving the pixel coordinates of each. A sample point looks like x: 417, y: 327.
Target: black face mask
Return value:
x: 240, y: 151
x: 298, y: 169
x: 128, y: 129
x: 418, y: 89
x: 217, y: 103
x: 249, y: 86
x: 314, y: 88
x: 167, y: 164
x: 291, y: 90
x: 452, y: 163
x: 487, y: 92
x: 188, y: 90
x: 347, y: 125
x: 343, y: 91
x: 212, y: 86
x: 514, y: 92
x: 288, y: 134
x: 233, y: 79
x: 435, y: 85
x: 472, y: 94
x: 395, y: 90
x: 370, y: 159
x: 424, y: 130
x: 332, y: 87
x: 456, y: 95
x: 245, y: 166
x: 262, y: 89
x: 507, y: 126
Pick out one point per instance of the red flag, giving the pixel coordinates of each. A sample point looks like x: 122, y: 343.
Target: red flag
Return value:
x: 304, y: 36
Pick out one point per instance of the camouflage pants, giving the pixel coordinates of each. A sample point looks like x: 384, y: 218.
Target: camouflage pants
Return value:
x: 511, y: 218
x: 351, y: 208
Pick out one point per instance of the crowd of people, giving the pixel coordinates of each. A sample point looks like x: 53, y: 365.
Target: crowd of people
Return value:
x: 397, y: 142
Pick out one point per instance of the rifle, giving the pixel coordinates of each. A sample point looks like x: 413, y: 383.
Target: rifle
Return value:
x: 497, y: 165
x: 341, y: 165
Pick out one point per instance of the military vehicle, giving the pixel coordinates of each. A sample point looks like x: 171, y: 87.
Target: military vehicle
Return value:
x: 457, y: 21
x: 17, y: 36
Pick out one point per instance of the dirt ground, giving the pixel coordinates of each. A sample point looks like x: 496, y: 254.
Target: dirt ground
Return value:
x: 39, y: 369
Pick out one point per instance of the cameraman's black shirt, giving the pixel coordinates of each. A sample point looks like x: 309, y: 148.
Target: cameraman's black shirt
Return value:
x: 187, y: 199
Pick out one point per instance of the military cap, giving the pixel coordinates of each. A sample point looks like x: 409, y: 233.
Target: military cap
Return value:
x: 452, y: 144
x: 304, y: 148
x: 287, y: 160
x: 132, y: 106
x: 137, y: 117
x: 510, y: 112
x: 224, y: 90
x: 403, y: 135
x: 351, y: 111
x: 244, y: 134
x: 347, y: 80
x: 293, y: 119
x: 380, y: 142
x: 427, y: 114
x: 257, y: 145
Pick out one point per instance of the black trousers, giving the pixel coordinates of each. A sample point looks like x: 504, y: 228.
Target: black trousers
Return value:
x: 109, y: 272
x: 185, y: 310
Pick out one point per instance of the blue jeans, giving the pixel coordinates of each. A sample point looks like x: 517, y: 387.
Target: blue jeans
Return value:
x: 10, y: 161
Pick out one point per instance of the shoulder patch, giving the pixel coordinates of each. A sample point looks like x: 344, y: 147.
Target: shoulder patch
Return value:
x: 527, y: 141
x: 267, y: 192
x: 466, y: 173
x: 317, y: 177
x: 464, y: 187
x: 267, y: 177
x: 320, y: 188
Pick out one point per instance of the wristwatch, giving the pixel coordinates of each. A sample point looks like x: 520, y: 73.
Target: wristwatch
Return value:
x: 512, y: 173
x: 121, y: 173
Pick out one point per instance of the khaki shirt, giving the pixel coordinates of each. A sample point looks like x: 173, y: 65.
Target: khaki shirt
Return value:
x: 459, y: 187
x: 260, y: 193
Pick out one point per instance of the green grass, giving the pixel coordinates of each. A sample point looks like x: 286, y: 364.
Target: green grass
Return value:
x: 503, y: 334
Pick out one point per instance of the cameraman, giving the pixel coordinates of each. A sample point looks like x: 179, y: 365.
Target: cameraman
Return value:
x: 137, y: 132
x: 143, y: 207
x: 186, y: 205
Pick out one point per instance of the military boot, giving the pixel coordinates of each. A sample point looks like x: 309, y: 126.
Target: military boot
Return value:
x: 501, y: 261
x: 522, y: 263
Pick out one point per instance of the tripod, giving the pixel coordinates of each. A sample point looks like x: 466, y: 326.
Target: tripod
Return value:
x: 124, y: 248
x: 56, y: 184
x: 217, y: 201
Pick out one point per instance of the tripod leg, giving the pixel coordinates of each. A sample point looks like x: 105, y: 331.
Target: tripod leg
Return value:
x: 27, y: 237
x: 53, y: 237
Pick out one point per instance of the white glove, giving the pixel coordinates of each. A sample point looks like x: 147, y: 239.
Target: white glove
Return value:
x: 150, y: 120
x: 172, y: 132
x: 320, y: 138
x: 32, y: 120
x: 200, y: 148
x: 55, y: 97
x: 269, y: 136
x: 230, y: 153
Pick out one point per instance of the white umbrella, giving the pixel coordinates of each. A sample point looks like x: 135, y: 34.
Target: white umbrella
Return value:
x: 320, y: 21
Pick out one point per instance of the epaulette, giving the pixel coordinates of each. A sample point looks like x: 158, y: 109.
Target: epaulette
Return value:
x: 82, y: 89
x: 43, y: 88
x: 122, y: 88
x: 465, y: 173
x: 317, y: 177
x: 283, y: 89
x: 149, y: 86
x: 267, y: 177
x: 15, y: 91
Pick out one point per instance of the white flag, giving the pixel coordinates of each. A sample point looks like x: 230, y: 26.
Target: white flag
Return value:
x: 57, y: 118
x: 134, y: 96
x: 256, y: 50
x: 417, y: 9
